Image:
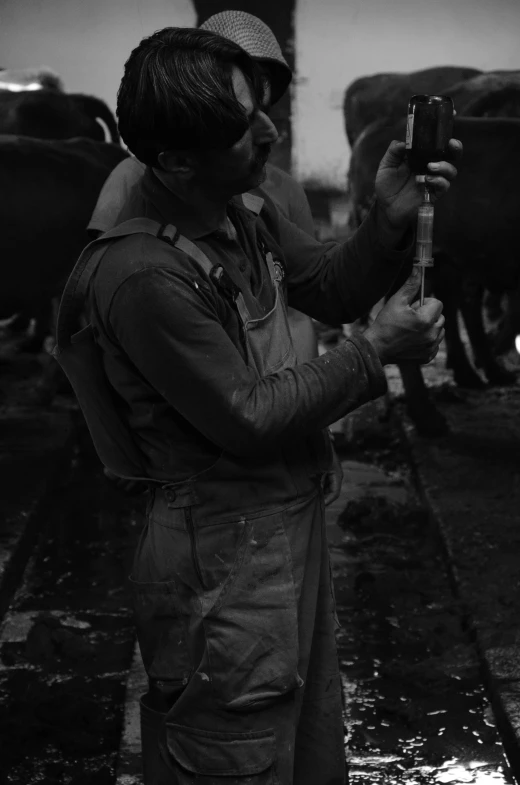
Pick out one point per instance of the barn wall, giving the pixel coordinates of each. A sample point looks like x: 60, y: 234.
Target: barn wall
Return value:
x: 340, y: 40
x: 85, y: 41
x: 88, y: 41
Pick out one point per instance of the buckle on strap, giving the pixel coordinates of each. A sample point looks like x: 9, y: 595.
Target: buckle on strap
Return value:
x: 223, y: 281
x: 170, y: 234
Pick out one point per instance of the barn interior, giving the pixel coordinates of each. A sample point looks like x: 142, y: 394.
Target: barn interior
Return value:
x: 424, y: 537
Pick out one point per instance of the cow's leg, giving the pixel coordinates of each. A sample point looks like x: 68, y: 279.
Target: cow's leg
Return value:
x: 493, y: 304
x: 51, y: 383
x: 427, y: 419
x: 20, y: 323
x: 509, y: 327
x: 471, y: 307
x: 447, y: 283
x: 43, y: 314
x: 53, y: 380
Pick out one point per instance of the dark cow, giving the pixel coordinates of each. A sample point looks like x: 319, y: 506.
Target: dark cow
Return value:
x: 51, y: 114
x: 475, y: 239
x: 386, y: 95
x: 49, y: 190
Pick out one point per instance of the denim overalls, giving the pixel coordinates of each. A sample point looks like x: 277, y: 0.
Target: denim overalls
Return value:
x: 234, y: 603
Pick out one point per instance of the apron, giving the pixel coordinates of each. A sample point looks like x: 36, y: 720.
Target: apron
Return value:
x: 233, y: 600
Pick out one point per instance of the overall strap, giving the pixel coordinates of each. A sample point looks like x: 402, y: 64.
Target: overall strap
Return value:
x: 76, y: 288
x: 166, y: 232
x: 73, y: 297
x: 226, y: 281
x: 192, y: 250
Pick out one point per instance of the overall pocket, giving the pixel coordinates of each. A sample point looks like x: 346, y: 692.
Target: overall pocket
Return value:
x: 269, y: 339
x: 161, y: 632
x: 250, y: 613
x: 202, y: 756
x: 161, y: 617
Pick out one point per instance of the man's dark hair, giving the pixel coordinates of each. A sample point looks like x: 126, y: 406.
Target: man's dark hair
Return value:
x: 177, y: 93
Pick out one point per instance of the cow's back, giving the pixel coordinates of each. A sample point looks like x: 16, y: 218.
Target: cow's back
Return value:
x: 51, y: 114
x: 386, y: 95
x: 44, y: 114
x: 496, y: 93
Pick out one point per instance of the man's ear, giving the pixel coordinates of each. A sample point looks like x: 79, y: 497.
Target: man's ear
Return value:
x: 176, y: 162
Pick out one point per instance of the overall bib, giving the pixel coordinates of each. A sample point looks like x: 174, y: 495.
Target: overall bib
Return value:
x: 234, y: 604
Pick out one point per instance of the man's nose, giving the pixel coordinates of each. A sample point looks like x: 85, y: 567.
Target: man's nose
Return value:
x: 264, y: 129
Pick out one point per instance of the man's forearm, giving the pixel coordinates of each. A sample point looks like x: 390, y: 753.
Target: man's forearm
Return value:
x: 302, y: 399
x: 337, y: 283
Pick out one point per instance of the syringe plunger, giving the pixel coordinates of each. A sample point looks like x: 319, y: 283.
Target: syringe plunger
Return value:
x: 424, y: 238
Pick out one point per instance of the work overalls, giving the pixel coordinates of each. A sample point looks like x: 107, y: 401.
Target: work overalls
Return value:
x: 234, y: 606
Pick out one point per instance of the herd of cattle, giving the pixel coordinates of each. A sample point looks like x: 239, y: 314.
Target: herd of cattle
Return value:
x: 55, y: 157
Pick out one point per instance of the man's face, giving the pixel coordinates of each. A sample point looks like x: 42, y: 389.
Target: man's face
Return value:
x: 241, y: 167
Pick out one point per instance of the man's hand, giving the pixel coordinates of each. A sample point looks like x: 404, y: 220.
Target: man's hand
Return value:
x: 404, y: 330
x: 398, y: 193
x: 333, y: 480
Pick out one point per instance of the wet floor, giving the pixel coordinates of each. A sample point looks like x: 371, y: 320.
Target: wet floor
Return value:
x: 416, y: 710
x: 67, y: 640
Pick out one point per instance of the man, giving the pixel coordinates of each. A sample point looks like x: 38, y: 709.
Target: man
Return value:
x: 260, y: 43
x: 231, y: 580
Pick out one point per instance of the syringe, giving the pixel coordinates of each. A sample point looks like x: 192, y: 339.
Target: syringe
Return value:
x: 424, y: 240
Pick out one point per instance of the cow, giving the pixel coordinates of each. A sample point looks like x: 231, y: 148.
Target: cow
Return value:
x: 475, y: 242
x: 51, y: 114
x: 49, y: 190
x: 386, y: 95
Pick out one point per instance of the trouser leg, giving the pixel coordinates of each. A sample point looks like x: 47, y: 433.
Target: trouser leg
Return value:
x: 155, y: 767
x: 243, y: 706
x: 320, y: 752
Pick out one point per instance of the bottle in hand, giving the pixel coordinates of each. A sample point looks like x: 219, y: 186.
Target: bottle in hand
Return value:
x: 428, y: 130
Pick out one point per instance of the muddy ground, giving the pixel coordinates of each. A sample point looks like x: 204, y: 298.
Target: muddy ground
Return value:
x: 419, y: 707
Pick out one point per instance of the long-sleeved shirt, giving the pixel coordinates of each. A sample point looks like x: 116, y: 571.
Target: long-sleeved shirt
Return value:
x: 174, y: 344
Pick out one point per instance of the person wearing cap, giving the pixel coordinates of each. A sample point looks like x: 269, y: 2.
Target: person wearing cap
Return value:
x: 187, y: 301
x: 259, y: 41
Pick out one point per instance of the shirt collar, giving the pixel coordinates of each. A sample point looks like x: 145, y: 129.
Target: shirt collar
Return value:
x: 162, y: 205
